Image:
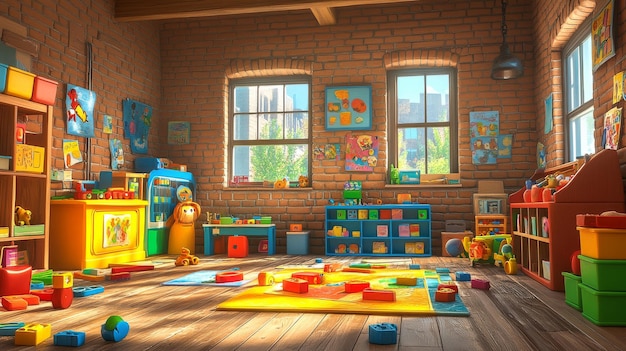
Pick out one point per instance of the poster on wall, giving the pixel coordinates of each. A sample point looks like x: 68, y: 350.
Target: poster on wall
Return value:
x: 71, y: 153
x: 349, y: 108
x: 618, y: 87
x: 326, y: 152
x: 361, y: 152
x: 116, y: 229
x: 484, y: 134
x: 137, y: 122
x: 79, y: 105
x: 117, y: 154
x: 612, y: 128
x: 602, y: 43
x: 178, y: 132
x: 547, y: 127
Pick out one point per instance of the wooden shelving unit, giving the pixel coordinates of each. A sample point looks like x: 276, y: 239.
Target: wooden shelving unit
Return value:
x: 31, y: 190
x: 544, y: 233
x: 491, y: 224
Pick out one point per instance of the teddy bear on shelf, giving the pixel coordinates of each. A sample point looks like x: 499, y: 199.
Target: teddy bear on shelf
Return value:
x: 281, y: 184
x: 22, y: 216
x: 303, y: 181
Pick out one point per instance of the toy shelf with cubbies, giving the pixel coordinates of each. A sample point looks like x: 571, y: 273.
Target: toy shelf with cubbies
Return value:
x: 381, y: 230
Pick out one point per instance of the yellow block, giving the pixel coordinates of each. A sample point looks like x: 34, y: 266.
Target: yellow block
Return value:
x: 33, y: 334
x: 62, y: 280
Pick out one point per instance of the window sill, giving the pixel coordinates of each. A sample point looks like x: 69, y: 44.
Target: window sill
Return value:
x: 260, y: 188
x: 422, y: 186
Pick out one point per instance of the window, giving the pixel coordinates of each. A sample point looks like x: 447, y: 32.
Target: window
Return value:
x: 423, y: 120
x: 579, y: 94
x: 269, y: 129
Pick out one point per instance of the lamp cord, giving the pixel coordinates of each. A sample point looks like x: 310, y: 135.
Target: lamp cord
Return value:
x: 504, y: 28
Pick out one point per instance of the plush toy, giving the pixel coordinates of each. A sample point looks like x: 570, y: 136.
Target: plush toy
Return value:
x: 182, y: 227
x: 22, y: 216
x: 281, y: 184
x: 186, y: 258
x: 303, y: 181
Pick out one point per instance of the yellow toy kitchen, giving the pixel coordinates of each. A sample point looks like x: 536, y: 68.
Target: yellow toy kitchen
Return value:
x: 95, y: 229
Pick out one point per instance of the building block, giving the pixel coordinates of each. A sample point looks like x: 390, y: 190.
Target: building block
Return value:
x: 15, y: 280
x: 296, y: 285
x: 445, y: 295
x: 97, y: 271
x: 311, y: 277
x: 32, y: 334
x: 62, y: 280
x: 407, y: 281
x: 80, y: 291
x: 8, y: 329
x: 227, y: 277
x: 14, y: 303
x: 463, y: 276
x: 265, y: 279
x: 36, y: 285
x: 43, y: 294
x: 383, y: 333
x: 355, y: 286
x: 414, y: 266
x: 69, y: 338
x: 332, y: 267
x: 480, y: 284
x: 91, y: 278
x: 62, y: 298
x: 237, y: 246
x: 449, y: 286
x: 118, y: 276
x: 295, y: 227
x: 114, y: 329
x: 442, y: 270
x: 379, y: 295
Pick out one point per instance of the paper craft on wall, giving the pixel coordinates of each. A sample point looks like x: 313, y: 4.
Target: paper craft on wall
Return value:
x: 71, y: 153
x: 79, y: 105
x: 361, y: 153
x: 612, y: 128
x: 618, y: 87
x: 602, y: 43
x: 505, y: 145
x: 117, y: 154
x: 348, y: 108
x: 137, y: 121
x: 484, y: 132
x: 326, y: 152
x: 107, y: 124
x: 548, y: 121
x: 178, y: 132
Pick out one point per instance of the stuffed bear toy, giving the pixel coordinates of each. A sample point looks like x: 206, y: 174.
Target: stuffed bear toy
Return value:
x: 182, y: 227
x: 22, y: 216
x: 303, y: 181
x: 281, y: 184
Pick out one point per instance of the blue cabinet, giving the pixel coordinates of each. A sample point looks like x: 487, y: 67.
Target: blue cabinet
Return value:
x: 383, y: 230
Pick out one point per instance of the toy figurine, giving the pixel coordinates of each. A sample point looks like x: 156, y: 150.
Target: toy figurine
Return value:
x: 186, y: 258
x: 22, y: 216
x: 182, y: 227
x: 395, y: 175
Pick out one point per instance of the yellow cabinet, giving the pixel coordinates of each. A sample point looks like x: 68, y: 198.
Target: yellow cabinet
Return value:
x: 96, y: 233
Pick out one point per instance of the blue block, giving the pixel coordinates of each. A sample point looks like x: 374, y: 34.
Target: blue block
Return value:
x: 117, y: 334
x: 80, y: 291
x: 383, y: 333
x: 69, y: 338
x: 8, y: 329
x: 414, y: 266
x: 442, y: 270
x: 463, y: 277
x: 36, y: 285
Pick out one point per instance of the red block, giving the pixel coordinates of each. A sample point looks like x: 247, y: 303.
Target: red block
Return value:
x: 15, y: 280
x: 354, y: 286
x: 480, y: 284
x: 227, y: 277
x: 379, y: 295
x: 449, y: 286
x: 62, y: 298
x: 445, y: 295
x: 44, y: 294
x: 332, y: 267
x: 311, y: 277
x: 14, y: 303
x: 30, y: 299
x: 237, y: 246
x: 296, y: 285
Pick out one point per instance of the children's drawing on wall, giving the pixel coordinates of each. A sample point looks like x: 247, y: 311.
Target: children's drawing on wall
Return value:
x: 361, y: 153
x: 178, y: 132
x: 505, y: 145
x: 116, y: 229
x: 602, y: 43
x: 117, y: 154
x: 484, y: 132
x: 107, y: 124
x: 547, y: 127
x: 618, y: 87
x: 71, y: 153
x: 326, y: 152
x: 137, y: 121
x: 612, y: 128
x: 541, y: 156
x: 79, y: 105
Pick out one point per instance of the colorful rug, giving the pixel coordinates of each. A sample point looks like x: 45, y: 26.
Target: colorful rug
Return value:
x: 330, y: 297
x: 203, y: 278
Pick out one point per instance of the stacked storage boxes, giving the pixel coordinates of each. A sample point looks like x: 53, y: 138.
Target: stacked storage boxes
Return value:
x: 602, y: 286
x: 25, y: 85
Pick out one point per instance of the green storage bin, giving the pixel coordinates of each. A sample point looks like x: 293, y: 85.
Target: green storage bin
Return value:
x: 604, y: 275
x: 572, y: 291
x: 341, y: 214
x: 352, y: 194
x: 266, y: 220
x: 373, y: 214
x: 604, y: 308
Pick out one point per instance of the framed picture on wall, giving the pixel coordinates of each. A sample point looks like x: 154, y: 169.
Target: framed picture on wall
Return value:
x: 349, y: 108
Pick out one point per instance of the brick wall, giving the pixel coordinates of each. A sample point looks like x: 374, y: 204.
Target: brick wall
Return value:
x: 200, y: 55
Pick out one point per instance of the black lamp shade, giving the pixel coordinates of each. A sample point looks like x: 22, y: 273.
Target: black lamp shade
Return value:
x: 506, y: 65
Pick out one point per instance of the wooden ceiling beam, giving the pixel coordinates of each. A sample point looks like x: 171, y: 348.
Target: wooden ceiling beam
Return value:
x: 142, y: 10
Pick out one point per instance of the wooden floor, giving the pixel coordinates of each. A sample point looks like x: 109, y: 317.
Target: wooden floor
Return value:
x: 515, y: 314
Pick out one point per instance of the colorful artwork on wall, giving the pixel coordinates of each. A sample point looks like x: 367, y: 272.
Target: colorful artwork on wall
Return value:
x: 79, y: 106
x: 137, y: 122
x: 71, y: 153
x: 361, y: 152
x: 484, y: 133
x: 612, y: 128
x: 602, y: 43
x: 178, y: 132
x: 117, y: 154
x: 116, y: 229
x: 349, y: 108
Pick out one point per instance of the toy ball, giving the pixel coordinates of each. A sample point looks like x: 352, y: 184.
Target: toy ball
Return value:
x: 454, y: 247
x: 114, y: 329
x: 575, y: 262
x: 507, y: 250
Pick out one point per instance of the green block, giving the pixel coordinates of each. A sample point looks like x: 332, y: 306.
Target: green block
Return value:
x: 373, y: 214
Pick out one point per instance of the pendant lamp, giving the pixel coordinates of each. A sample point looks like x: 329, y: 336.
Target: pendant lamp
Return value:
x: 506, y: 65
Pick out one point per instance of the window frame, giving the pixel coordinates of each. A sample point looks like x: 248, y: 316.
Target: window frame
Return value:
x: 575, y: 42
x: 260, y: 81
x: 453, y: 120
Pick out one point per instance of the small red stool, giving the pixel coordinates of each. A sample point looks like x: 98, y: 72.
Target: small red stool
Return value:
x: 15, y: 280
x: 237, y: 246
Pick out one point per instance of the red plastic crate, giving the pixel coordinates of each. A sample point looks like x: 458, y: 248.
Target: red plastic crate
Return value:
x: 44, y: 90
